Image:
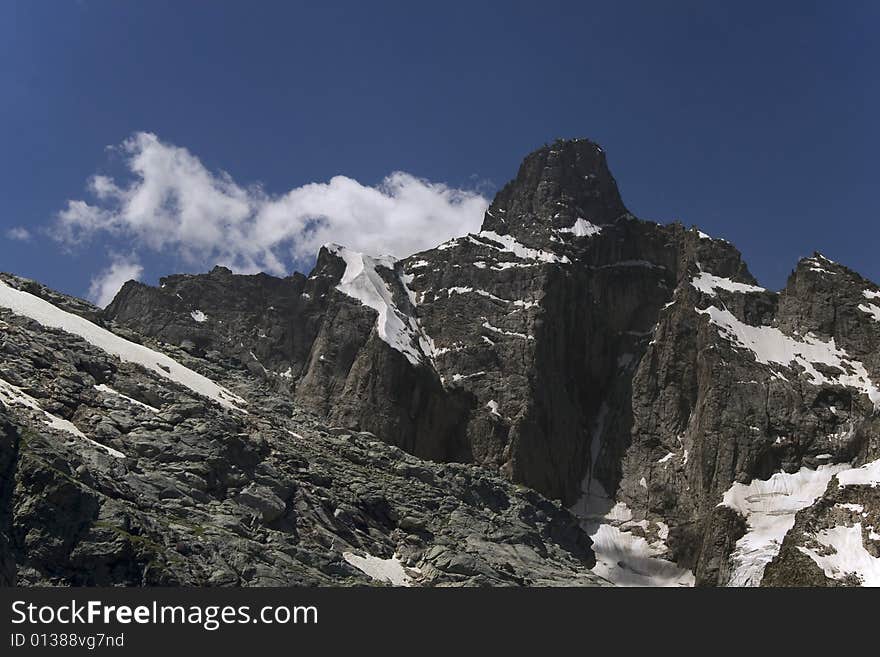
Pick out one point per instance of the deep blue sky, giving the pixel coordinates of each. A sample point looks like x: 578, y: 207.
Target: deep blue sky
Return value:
x: 756, y: 121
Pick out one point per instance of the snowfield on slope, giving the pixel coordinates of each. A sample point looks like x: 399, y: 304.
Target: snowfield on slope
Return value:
x: 50, y: 316
x: 362, y: 281
x: 509, y: 244
x: 707, y: 283
x: 866, y: 475
x: 842, y: 554
x: 769, y: 508
x: 623, y: 556
x: 770, y: 345
x: 871, y: 309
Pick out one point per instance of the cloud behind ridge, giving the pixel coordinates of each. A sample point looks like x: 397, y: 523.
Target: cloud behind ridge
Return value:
x: 173, y: 204
x: 107, y: 283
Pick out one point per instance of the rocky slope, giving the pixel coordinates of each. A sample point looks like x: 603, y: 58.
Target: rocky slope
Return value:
x: 705, y: 430
x: 121, y: 465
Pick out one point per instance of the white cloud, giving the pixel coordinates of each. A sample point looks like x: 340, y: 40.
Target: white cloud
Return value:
x: 173, y: 203
x: 19, y: 233
x: 105, y: 285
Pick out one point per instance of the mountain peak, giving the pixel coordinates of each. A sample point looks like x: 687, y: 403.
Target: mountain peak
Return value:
x: 556, y: 185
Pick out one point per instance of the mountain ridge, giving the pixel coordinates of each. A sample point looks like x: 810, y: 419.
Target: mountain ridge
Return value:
x: 635, y: 371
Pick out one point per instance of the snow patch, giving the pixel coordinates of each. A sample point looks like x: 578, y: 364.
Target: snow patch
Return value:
x: 623, y: 557
x: 843, y: 554
x: 582, y: 228
x: 448, y: 244
x: 110, y: 391
x: 390, y: 571
x: 495, y: 329
x: 867, y: 475
x: 198, y: 316
x: 470, y: 290
x: 483, y: 293
x: 707, y: 283
x: 630, y: 560
x: 626, y: 558
x: 770, y: 345
x: 11, y: 395
x: 461, y: 377
x: 871, y: 309
x: 815, y: 264
x: 507, y: 243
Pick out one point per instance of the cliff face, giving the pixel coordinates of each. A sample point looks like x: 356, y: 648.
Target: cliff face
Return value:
x: 699, y: 425
x: 497, y: 348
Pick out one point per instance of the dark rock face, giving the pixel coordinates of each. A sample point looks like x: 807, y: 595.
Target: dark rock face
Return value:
x: 254, y: 327
x: 703, y: 397
x: 554, y: 187
x: 634, y: 371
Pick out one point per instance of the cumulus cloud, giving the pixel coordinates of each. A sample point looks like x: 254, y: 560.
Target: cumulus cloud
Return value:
x: 107, y: 283
x: 19, y: 233
x: 172, y: 202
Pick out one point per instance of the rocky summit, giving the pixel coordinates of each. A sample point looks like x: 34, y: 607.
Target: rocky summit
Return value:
x: 571, y: 396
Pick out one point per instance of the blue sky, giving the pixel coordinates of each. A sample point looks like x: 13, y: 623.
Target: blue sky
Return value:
x: 756, y: 121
